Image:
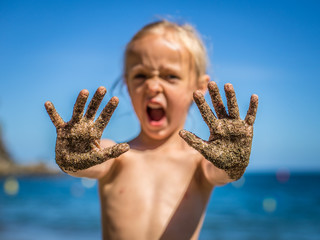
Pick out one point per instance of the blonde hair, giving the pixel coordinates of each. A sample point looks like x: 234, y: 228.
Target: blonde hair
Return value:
x: 185, y: 33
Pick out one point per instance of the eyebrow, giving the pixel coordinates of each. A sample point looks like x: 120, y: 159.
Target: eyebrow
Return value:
x: 168, y: 67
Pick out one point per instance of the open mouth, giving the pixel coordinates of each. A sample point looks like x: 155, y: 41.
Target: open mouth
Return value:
x: 155, y: 113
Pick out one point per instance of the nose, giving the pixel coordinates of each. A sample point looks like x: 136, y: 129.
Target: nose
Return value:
x: 154, y: 86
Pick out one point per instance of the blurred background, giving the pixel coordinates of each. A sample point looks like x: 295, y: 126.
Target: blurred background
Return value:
x: 50, y: 50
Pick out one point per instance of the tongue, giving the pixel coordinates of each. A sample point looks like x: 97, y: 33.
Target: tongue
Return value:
x: 156, y: 114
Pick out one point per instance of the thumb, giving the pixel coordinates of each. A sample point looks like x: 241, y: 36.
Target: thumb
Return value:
x: 115, y: 151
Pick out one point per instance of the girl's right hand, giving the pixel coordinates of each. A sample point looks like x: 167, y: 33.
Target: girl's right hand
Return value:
x: 229, y: 144
x: 78, y: 141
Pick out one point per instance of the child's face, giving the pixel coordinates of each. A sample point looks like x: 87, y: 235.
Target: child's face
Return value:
x: 161, y: 79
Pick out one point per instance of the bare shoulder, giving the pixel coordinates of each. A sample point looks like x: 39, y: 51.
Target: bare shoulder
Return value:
x: 213, y: 175
x: 106, y: 143
x: 208, y: 175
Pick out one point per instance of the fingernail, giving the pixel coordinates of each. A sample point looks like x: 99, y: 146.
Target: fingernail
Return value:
x: 182, y: 133
x: 198, y: 97
x: 127, y: 147
x: 114, y: 101
x: 47, y: 104
x: 102, y: 90
x: 228, y: 87
x: 84, y: 92
x: 211, y: 84
x: 255, y: 97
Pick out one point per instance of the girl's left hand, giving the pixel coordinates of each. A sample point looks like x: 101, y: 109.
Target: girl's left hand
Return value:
x: 229, y: 144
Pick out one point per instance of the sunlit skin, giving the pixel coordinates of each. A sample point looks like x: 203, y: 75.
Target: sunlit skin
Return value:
x: 159, y: 188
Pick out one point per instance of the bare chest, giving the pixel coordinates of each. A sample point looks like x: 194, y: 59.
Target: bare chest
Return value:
x: 149, y: 192
x: 148, y: 178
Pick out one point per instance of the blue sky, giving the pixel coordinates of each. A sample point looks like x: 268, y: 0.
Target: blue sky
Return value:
x: 50, y: 50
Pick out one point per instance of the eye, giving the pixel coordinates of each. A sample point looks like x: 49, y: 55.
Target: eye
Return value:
x: 140, y: 76
x: 172, y: 77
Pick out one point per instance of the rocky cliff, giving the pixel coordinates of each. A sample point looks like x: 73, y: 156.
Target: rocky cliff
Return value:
x: 9, y: 167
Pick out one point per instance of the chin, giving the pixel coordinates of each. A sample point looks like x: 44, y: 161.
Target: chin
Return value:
x: 160, y: 134
x: 157, y: 135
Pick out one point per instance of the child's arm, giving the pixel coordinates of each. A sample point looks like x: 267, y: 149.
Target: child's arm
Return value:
x: 78, y: 149
x: 229, y: 144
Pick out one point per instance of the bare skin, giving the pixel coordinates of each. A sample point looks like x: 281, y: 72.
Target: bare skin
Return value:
x: 160, y: 187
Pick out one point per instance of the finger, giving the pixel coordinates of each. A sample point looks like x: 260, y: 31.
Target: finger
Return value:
x: 115, y: 151
x: 106, y: 113
x: 95, y: 103
x: 54, y: 116
x: 232, y: 101
x: 78, y: 108
x: 252, y: 111
x: 217, y: 100
x: 206, y: 113
x: 208, y: 151
x: 80, y: 161
x: 193, y: 140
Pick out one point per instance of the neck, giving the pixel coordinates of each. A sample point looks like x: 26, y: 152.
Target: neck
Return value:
x: 145, y: 142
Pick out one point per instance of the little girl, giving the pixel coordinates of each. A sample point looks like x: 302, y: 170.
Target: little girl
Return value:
x: 157, y: 186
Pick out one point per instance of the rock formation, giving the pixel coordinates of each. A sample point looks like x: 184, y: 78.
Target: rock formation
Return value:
x: 9, y: 167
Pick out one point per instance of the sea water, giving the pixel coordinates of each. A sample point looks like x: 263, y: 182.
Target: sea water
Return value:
x: 258, y: 206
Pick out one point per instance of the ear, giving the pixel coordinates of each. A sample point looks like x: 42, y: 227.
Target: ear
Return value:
x: 203, y: 83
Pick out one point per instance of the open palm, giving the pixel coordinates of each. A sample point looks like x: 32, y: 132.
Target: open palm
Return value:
x: 78, y: 141
x: 229, y: 144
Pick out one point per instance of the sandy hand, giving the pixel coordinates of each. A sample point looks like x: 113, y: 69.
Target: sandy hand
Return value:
x: 78, y: 141
x: 229, y: 144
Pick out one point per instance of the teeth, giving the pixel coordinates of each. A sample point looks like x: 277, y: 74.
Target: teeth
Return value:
x: 154, y: 106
